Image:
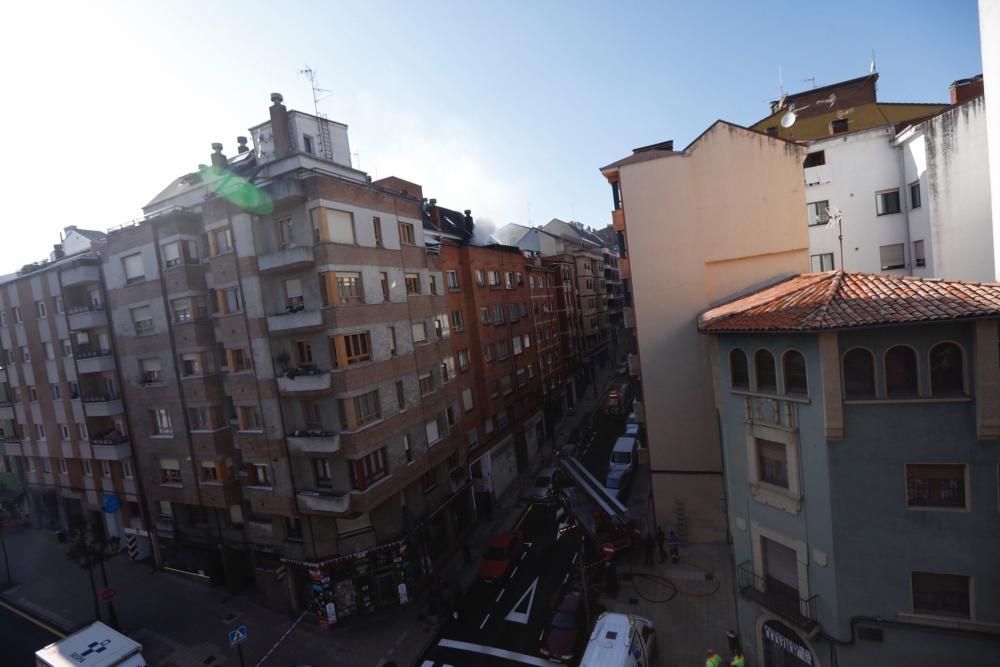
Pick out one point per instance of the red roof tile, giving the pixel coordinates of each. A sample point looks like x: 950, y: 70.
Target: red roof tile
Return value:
x: 838, y: 300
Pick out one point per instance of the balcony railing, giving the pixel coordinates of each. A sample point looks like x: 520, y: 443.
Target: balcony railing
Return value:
x: 313, y: 442
x: 86, y: 308
x: 84, y: 353
x: 304, y: 380
x: 778, y: 597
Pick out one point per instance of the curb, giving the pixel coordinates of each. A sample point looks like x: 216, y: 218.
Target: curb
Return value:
x: 43, y: 620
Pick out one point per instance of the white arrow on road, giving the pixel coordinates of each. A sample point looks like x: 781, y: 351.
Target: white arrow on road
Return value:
x: 524, y: 602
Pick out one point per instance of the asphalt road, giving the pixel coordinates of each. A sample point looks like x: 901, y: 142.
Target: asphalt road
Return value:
x: 500, y: 623
x: 20, y: 638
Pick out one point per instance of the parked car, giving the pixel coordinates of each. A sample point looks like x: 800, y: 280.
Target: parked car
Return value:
x: 624, y: 454
x: 564, y: 637
x: 620, y: 640
x: 543, y: 484
x: 622, y: 368
x: 618, y: 483
x: 504, y: 550
x: 632, y: 425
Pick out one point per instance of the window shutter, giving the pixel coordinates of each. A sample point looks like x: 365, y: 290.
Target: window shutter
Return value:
x: 432, y: 431
x: 171, y: 252
x: 293, y: 288
x: 320, y: 230
x: 340, y: 226
x: 133, y: 266
x: 170, y: 464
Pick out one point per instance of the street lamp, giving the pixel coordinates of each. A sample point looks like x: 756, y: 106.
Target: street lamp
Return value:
x: 86, y: 553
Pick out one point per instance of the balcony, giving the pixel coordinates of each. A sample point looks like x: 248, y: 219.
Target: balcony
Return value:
x: 12, y: 447
x: 6, y: 410
x: 628, y: 313
x: 324, y: 502
x: 94, y: 361
x: 166, y: 526
x: 102, y: 406
x: 81, y: 275
x: 295, y: 321
x: 288, y: 259
x: 86, y: 317
x: 618, y: 220
x: 312, y: 443
x: 624, y: 269
x: 111, y: 449
x: 259, y: 530
x: 776, y: 412
x: 633, y: 365
x: 778, y: 597
x: 817, y: 175
x: 300, y: 381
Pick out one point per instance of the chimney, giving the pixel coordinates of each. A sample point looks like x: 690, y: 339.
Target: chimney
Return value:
x: 964, y: 90
x: 242, y: 141
x: 280, y: 127
x: 218, y: 159
x: 58, y: 252
x: 433, y: 203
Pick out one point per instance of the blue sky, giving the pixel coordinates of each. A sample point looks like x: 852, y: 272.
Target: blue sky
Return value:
x: 505, y: 108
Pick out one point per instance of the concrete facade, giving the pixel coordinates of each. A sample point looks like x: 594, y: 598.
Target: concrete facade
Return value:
x: 700, y: 225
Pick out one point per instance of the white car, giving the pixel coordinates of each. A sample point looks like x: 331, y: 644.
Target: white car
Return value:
x: 620, y: 640
x: 632, y: 425
x: 543, y: 484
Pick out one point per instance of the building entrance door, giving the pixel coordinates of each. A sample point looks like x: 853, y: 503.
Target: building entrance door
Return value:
x: 781, y: 575
x: 783, y: 647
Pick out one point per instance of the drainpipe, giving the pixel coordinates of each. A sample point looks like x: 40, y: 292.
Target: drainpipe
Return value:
x: 908, y: 251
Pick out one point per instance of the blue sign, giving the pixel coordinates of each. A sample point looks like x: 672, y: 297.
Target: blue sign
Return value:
x: 111, y: 503
x: 237, y: 636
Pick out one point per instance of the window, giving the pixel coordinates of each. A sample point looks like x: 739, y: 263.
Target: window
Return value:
x: 859, y: 374
x: 522, y: 377
x: 142, y: 320
x: 506, y: 384
x: 887, y: 202
x: 891, y: 257
x: 503, y: 350
x: 818, y: 212
x: 64, y: 431
x: 384, y: 279
x: 794, y: 366
x: 467, y: 403
x: 40, y: 431
x: 17, y: 314
x: 498, y: 315
x: 516, y: 341
x: 166, y: 509
x: 50, y: 352
x: 285, y: 238
x: 81, y: 429
x: 191, y: 364
x: 392, y: 341
x: 105, y: 468
x: 766, y: 376
x: 428, y: 482
x: 527, y: 340
x: 324, y: 477
x: 32, y: 393
x: 406, y: 448
x: 472, y: 437
x: 41, y: 310
x: 307, y: 143
x: 189, y: 309
x: 160, y: 423
x: 489, y: 352
x: 509, y: 279
x: 311, y: 413
x: 456, y: 320
x: 134, y: 270
x: 463, y: 360
x: 351, y: 349
x: 901, y: 372
x: 171, y: 254
x: 935, y: 485
x: 400, y: 395
x: 412, y: 283
x: 447, y: 368
x: 293, y: 295
x: 343, y: 287
x: 419, y: 332
x: 941, y: 594
x: 432, y: 431
x: 249, y: 418
x: 484, y: 315
x: 360, y: 410
x: 332, y: 225
x: 170, y: 471
x: 947, y: 371
x: 918, y: 254
x: 220, y: 241
x: 261, y: 474
x: 495, y: 279
x: 822, y: 262
x: 814, y: 159
x: 426, y: 384
x: 369, y: 469
x: 3, y: 318
x: 56, y: 392
x: 512, y: 312
x: 839, y: 125
x: 433, y: 283
x: 739, y: 369
x: 406, y: 234
x: 451, y: 277
x: 480, y: 277
x: 239, y: 360
x: 915, y: 194
x: 204, y: 419
x: 377, y: 229
x: 25, y: 354
x: 127, y: 470
x: 772, y: 463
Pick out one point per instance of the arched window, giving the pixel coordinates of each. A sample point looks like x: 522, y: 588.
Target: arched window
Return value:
x: 901, y: 372
x: 767, y: 377
x: 947, y: 370
x: 794, y: 366
x: 739, y: 369
x: 859, y: 374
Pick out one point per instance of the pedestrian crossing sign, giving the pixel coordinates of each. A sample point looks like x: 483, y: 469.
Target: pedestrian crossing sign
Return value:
x: 237, y: 636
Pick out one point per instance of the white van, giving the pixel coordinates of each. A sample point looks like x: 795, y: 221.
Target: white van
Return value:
x: 632, y: 425
x: 620, y: 640
x: 96, y: 645
x: 624, y: 454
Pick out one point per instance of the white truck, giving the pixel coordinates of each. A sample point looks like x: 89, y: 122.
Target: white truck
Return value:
x: 96, y: 645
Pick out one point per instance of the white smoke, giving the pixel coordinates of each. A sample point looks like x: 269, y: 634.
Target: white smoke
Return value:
x: 482, y: 232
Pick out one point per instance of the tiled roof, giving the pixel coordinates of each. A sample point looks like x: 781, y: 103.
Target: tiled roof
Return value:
x: 839, y: 300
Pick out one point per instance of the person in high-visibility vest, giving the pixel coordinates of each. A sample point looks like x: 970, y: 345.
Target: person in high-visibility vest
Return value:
x: 738, y: 659
x: 713, y: 659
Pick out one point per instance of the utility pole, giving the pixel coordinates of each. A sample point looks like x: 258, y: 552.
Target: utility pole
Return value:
x: 99, y: 552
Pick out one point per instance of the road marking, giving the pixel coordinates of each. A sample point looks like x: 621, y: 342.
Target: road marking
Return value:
x: 514, y: 572
x: 528, y: 545
x: 44, y: 626
x: 526, y: 601
x: 402, y: 637
x: 502, y: 591
x: 576, y: 554
x: 540, y: 635
x: 483, y: 624
x: 566, y: 577
x: 497, y: 652
x: 521, y: 520
x: 523, y: 554
x: 428, y: 663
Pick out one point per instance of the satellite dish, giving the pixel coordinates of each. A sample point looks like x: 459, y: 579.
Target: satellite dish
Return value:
x: 788, y: 119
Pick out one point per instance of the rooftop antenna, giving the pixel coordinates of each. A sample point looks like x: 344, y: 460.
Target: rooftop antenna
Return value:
x: 325, y: 143
x: 811, y: 79
x: 358, y: 157
x: 872, y: 69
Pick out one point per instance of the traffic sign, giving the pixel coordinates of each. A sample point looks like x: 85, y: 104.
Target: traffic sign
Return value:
x: 109, y: 594
x: 237, y: 636
x: 112, y: 503
x: 608, y: 551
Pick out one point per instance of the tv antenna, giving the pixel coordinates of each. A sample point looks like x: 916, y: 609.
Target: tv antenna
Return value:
x: 325, y: 143
x: 811, y: 79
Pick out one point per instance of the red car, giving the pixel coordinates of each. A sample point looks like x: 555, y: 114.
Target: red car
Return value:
x: 564, y: 636
x: 501, y: 555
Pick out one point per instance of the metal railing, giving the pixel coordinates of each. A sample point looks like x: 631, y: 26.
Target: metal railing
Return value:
x: 778, y: 597
x: 88, y: 308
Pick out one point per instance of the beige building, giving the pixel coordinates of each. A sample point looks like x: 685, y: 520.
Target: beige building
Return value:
x: 701, y: 225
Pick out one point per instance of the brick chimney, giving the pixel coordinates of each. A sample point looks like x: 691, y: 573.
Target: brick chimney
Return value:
x: 242, y: 141
x: 280, y: 127
x: 964, y: 90
x: 218, y: 159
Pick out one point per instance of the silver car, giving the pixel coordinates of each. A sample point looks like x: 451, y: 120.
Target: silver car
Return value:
x: 543, y: 484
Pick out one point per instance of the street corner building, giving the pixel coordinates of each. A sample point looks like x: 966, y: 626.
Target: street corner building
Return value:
x: 860, y: 421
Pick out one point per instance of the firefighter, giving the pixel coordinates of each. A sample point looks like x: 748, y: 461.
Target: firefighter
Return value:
x: 713, y: 659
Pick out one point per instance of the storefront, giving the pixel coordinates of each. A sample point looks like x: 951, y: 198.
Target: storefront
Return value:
x: 352, y: 585
x: 783, y: 647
